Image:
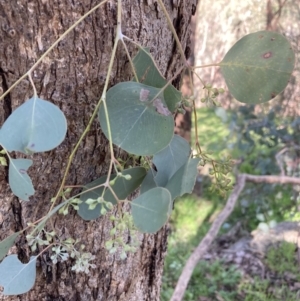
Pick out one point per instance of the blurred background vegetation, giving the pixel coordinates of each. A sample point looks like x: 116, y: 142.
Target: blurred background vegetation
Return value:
x: 262, y: 140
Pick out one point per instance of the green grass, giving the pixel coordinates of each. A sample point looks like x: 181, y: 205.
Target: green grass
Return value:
x: 282, y: 259
x: 192, y: 217
x: 212, y: 132
x: 188, y: 217
x: 190, y: 221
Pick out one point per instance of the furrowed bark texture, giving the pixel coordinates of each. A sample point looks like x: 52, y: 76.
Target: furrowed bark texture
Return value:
x: 72, y: 77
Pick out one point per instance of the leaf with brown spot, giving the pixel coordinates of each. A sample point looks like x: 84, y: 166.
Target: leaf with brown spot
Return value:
x: 258, y: 66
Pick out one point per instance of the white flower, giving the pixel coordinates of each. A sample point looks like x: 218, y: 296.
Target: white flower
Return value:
x: 59, y: 253
x: 82, y: 263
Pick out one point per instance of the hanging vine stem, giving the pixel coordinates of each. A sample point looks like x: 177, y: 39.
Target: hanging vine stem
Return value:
x: 190, y: 68
x: 174, y: 33
x: 102, y: 99
x: 206, y: 66
x: 205, y: 158
x: 29, y: 72
x: 118, y: 37
x: 130, y: 61
x: 32, y: 84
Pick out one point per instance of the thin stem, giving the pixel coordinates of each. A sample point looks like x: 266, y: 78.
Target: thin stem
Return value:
x: 102, y: 99
x: 168, y: 83
x: 52, y: 46
x: 146, y: 52
x: 197, y: 144
x: 170, y: 23
x: 113, y: 193
x: 206, y: 66
x: 32, y: 83
x: 130, y: 61
x: 135, y: 43
x: 202, y: 82
x: 13, y: 85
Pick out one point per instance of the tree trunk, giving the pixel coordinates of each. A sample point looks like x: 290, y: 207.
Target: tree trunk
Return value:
x: 72, y: 77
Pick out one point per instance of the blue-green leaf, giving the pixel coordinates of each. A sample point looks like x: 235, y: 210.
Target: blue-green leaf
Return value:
x: 258, y: 67
x: 150, y: 211
x: 140, y: 122
x: 7, y: 243
x: 19, y: 181
x: 183, y: 181
x: 121, y: 187
x: 170, y: 159
x: 35, y: 126
x: 17, y: 278
x: 148, y: 182
x: 148, y: 74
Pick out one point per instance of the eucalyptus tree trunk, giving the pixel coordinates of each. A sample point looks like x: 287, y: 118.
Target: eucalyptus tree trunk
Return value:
x: 72, y: 76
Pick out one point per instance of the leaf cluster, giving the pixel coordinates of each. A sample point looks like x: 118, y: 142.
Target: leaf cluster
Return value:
x: 136, y: 116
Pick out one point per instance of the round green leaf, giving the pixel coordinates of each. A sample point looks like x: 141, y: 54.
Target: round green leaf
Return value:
x: 150, y: 211
x: 138, y: 125
x: 17, y: 278
x: 7, y: 243
x: 258, y: 67
x: 19, y: 181
x: 148, y: 182
x: 35, y: 126
x: 183, y: 181
x: 170, y: 159
x: 148, y: 74
x: 121, y: 187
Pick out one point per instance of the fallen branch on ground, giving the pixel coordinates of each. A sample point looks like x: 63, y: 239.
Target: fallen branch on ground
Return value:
x: 205, y: 243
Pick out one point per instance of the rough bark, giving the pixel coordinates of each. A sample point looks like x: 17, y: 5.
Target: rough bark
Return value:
x: 72, y: 77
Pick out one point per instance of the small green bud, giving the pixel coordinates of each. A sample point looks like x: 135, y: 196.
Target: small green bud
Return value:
x: 113, y: 181
x: 113, y: 250
x: 103, y: 211
x: 109, y: 244
x: 68, y: 190
x: 29, y: 237
x: 90, y: 201
x: 123, y: 255
x: 215, y: 91
x: 109, y: 206
x: 69, y: 241
x: 76, y: 201
x: 92, y: 206
x: 113, y: 231
x: 127, y: 177
x: 100, y: 200
x: 127, y: 248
